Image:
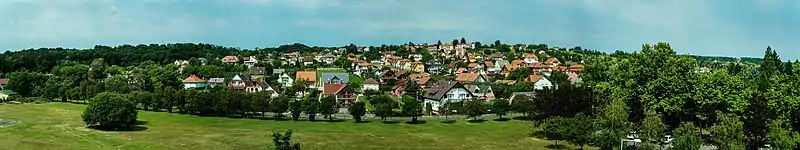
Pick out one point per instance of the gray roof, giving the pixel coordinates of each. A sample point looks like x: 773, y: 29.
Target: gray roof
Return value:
x: 326, y: 77
x: 501, y: 63
x: 440, y: 89
x: 216, y: 80
x: 278, y: 71
x: 257, y: 70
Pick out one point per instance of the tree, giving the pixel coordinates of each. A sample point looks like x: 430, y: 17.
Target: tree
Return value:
x: 475, y: 108
x: 613, y: 124
x: 97, y: 69
x: 296, y: 108
x: 463, y: 41
x: 110, y: 111
x: 118, y: 84
x: 261, y: 102
x: 781, y: 135
x: 328, y: 106
x: 143, y: 98
x: 652, y: 128
x: 439, y: 44
x: 357, y: 110
x: 412, y: 108
x: 556, y: 128
x: 759, y: 113
x: 384, y: 106
x: 24, y: 83
x: 279, y: 105
x: 687, y: 137
x: 578, y: 130
x: 500, y: 107
x: 520, y: 74
x: 444, y: 109
x: 523, y: 104
x: 311, y: 107
x: 283, y: 141
x: 728, y: 132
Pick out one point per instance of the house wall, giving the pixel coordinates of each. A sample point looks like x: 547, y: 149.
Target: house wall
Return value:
x: 454, y: 95
x: 542, y: 83
x: 285, y: 80
x: 370, y: 87
x: 193, y: 85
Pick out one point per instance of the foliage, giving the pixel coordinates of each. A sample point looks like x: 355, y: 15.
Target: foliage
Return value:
x: 311, y: 107
x: 328, y: 106
x: 500, y: 107
x: 283, y: 141
x: 296, y: 108
x: 687, y: 136
x: 475, y: 108
x: 358, y: 110
x: 412, y: 108
x: 781, y: 135
x: 519, y: 74
x: 728, y: 132
x: 141, y: 98
x: 279, y: 105
x: 384, y: 106
x: 652, y: 128
x: 24, y: 83
x: 523, y: 104
x: 111, y: 111
x: 613, y: 124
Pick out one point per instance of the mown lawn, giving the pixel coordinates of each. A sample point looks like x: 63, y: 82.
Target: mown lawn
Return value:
x: 59, y: 126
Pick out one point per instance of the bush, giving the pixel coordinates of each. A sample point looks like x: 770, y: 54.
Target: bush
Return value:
x: 110, y: 111
x: 34, y: 100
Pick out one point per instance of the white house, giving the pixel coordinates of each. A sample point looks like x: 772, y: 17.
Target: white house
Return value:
x: 446, y: 91
x: 371, y: 84
x: 250, y: 61
x: 285, y: 80
x: 540, y: 82
x: 194, y: 82
x: 530, y: 58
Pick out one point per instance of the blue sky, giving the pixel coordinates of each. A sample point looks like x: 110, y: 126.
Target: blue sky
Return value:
x: 703, y: 27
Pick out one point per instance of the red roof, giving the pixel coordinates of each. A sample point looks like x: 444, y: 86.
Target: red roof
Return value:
x: 423, y: 80
x: 467, y: 77
x: 310, y: 76
x: 333, y: 88
x: 518, y: 62
x: 551, y: 60
x: 193, y: 78
x: 228, y: 59
x: 534, y: 78
x: 4, y: 81
x: 371, y: 81
x: 576, y: 66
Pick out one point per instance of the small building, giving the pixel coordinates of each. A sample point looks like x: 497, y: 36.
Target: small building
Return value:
x: 470, y: 78
x: 371, y: 84
x: 193, y: 82
x: 257, y: 72
x: 481, y: 92
x: 214, y: 82
x: 259, y: 86
x: 238, y: 82
x: 230, y: 59
x: 446, y: 92
x: 342, y: 92
x: 334, y: 78
x: 310, y: 76
x: 540, y: 82
x: 285, y: 80
x: 278, y: 72
x: 3, y: 83
x: 250, y: 61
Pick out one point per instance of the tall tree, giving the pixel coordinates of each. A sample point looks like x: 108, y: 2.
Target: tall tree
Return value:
x: 261, y: 102
x: 328, y: 107
x: 97, y: 69
x: 475, y: 108
x: 296, y: 108
x: 279, y: 105
x: 358, y: 110
x: 311, y: 107
x: 500, y: 107
x: 728, y: 132
x: 463, y: 41
x: 759, y: 113
x: 412, y: 108
x: 613, y: 124
x: 652, y: 128
x: 687, y: 137
x: 781, y: 135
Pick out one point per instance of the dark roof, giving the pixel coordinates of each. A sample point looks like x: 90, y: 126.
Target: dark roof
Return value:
x: 440, y: 89
x: 257, y: 70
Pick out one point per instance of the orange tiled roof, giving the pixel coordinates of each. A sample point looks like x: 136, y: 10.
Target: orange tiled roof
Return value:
x: 467, y: 77
x: 534, y: 78
x: 310, y: 76
x: 193, y: 79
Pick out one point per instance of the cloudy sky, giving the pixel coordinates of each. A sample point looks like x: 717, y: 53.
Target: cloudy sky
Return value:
x: 703, y: 27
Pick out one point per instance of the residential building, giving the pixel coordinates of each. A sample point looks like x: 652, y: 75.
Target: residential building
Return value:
x: 3, y: 83
x: 4, y: 94
x: 334, y: 78
x: 238, y: 82
x: 328, y: 58
x: 285, y: 80
x: 258, y: 86
x: 574, y: 77
x: 250, y: 61
x: 392, y: 75
x: 230, y: 59
x: 530, y: 58
x: 361, y: 66
x: 481, y: 92
x: 310, y: 76
x: 540, y: 82
x: 446, y: 92
x: 342, y: 92
x: 371, y: 84
x: 552, y: 62
x: 434, y: 67
x: 257, y: 72
x: 576, y: 67
x: 308, y: 61
x: 417, y: 66
x: 511, y: 82
x: 214, y: 82
x: 278, y: 72
x: 470, y: 78
x: 193, y: 82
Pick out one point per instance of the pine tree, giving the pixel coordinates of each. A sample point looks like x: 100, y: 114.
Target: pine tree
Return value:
x: 759, y: 112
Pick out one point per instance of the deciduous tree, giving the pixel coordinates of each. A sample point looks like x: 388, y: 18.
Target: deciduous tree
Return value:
x: 357, y: 110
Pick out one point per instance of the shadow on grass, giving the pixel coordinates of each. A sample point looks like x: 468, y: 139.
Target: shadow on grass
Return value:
x: 502, y: 119
x: 527, y: 118
x: 539, y: 134
x: 559, y: 146
x: 363, y: 121
x: 391, y: 122
x: 418, y: 122
x: 139, y: 122
x: 126, y: 129
x: 477, y: 121
x: 449, y: 121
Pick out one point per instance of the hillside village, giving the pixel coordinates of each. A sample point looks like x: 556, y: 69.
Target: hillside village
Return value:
x: 449, y: 72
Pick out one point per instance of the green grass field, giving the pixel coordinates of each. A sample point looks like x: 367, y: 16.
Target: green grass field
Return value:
x: 59, y: 126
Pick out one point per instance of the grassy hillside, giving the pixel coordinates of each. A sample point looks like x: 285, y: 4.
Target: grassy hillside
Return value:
x: 59, y: 126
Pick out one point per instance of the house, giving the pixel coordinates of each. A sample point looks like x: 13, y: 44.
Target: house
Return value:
x: 576, y: 67
x: 3, y: 83
x: 257, y: 72
x: 285, y: 80
x: 423, y: 81
x: 278, y: 72
x: 574, y: 77
x: 392, y: 74
x: 511, y: 82
x: 499, y: 65
x: 214, y: 82
x: 193, y: 82
x: 308, y: 61
x: 328, y: 58
x: 334, y: 78
x: 433, y: 67
x: 417, y: 66
x: 446, y: 92
x: 481, y: 92
x: 539, y: 82
x: 258, y: 86
x: 490, y: 67
x: 519, y: 63
x: 310, y: 76
x: 238, y: 82
x: 371, y: 84
x: 230, y: 59
x: 530, y: 58
x: 4, y: 94
x: 250, y: 61
x: 497, y: 56
x: 399, y: 88
x: 342, y: 92
x: 470, y: 78
x: 203, y: 61
x: 552, y: 62
x: 361, y: 66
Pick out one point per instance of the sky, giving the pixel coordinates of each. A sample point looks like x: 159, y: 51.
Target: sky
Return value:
x: 702, y: 27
